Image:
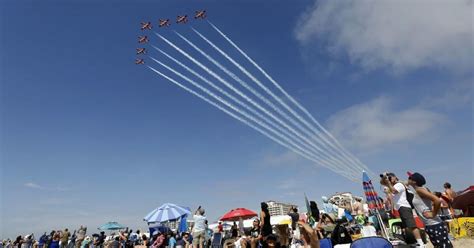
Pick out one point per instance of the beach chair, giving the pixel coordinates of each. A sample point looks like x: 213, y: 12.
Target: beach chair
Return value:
x: 325, y: 243
x: 216, y: 240
x: 371, y: 242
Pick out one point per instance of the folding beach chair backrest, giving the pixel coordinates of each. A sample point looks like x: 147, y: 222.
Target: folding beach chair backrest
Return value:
x: 217, y: 240
x: 325, y: 243
x: 371, y: 242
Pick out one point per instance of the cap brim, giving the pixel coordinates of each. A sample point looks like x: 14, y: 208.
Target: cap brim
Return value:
x: 409, y: 174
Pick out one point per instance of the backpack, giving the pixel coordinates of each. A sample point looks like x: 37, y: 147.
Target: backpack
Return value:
x: 340, y: 235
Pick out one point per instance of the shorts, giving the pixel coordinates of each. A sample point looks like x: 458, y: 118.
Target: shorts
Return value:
x: 438, y: 235
x: 406, y: 215
x: 199, y: 237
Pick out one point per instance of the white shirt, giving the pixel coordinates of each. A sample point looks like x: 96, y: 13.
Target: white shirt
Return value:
x: 400, y: 198
x: 368, y: 231
x: 199, y: 223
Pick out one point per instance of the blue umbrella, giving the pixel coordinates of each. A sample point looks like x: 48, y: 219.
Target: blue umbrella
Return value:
x: 166, y: 212
x: 183, y: 225
x: 111, y: 226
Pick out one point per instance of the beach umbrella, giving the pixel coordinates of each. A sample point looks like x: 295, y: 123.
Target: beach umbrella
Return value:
x: 166, y: 212
x: 109, y: 226
x: 183, y: 225
x: 237, y: 214
x: 464, y: 200
x: 373, y: 201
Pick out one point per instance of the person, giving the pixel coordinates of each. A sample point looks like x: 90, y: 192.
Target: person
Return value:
x: 255, y: 236
x: 234, y: 231
x: 402, y: 205
x: 42, y: 240
x: 145, y: 240
x: 266, y: 227
x: 444, y: 213
x: 65, y: 238
x: 309, y: 235
x: 449, y: 192
x: 81, y: 235
x: 115, y: 243
x: 368, y: 230
x: 199, y: 228
x: 293, y: 213
x: 171, y: 240
x: 326, y: 225
x: 427, y: 205
x: 55, y: 240
x: 159, y: 240
x: 179, y: 241
x: 388, y: 199
x: 187, y: 240
x: 220, y: 227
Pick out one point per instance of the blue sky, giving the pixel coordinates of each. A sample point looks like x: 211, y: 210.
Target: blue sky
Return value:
x: 89, y: 137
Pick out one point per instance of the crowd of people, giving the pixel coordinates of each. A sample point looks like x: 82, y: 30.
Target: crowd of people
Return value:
x: 402, y: 199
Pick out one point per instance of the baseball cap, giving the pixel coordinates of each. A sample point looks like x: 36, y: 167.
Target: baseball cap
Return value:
x: 418, y: 178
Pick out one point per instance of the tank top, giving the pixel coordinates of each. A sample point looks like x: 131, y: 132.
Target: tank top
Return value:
x: 422, y: 205
x: 267, y: 227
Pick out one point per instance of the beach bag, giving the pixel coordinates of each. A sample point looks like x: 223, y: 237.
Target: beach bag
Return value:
x: 409, y: 196
x: 340, y: 235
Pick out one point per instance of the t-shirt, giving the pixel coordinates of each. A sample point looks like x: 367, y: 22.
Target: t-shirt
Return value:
x: 368, y: 231
x: 199, y: 223
x: 172, y: 242
x: 400, y: 199
x: 254, y: 232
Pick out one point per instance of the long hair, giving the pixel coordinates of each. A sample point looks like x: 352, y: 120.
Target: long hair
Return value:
x: 264, y: 207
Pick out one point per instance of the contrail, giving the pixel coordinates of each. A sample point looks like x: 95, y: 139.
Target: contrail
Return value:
x: 243, y: 95
x: 349, y: 176
x: 306, y: 112
x: 252, y: 110
x: 276, y: 98
x: 229, y: 96
x: 253, y: 91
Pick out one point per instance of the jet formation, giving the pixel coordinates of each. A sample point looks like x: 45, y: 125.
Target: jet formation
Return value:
x: 162, y: 23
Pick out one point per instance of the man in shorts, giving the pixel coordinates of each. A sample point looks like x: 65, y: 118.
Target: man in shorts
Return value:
x: 401, y: 204
x: 199, y: 229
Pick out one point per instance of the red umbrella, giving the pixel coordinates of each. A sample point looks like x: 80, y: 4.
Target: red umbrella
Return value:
x: 464, y: 200
x: 237, y: 214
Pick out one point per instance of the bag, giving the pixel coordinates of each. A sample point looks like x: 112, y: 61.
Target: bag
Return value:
x: 340, y: 235
x: 409, y: 196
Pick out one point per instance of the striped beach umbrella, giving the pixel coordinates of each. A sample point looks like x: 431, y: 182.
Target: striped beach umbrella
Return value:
x: 166, y: 212
x: 371, y: 196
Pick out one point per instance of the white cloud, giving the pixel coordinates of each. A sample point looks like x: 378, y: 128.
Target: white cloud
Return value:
x: 400, y: 35
x: 370, y: 125
x: 32, y: 185
x: 286, y: 158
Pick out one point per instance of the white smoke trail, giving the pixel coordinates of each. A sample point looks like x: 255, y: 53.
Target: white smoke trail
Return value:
x: 253, y: 91
x: 292, y: 148
x: 328, y: 149
x: 229, y: 96
x: 306, y: 112
x: 337, y: 163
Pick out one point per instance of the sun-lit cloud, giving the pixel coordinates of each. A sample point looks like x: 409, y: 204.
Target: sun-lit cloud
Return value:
x: 33, y: 185
x: 371, y: 125
x: 399, y: 35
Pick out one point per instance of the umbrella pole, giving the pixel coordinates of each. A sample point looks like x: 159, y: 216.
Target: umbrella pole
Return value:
x: 382, y: 225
